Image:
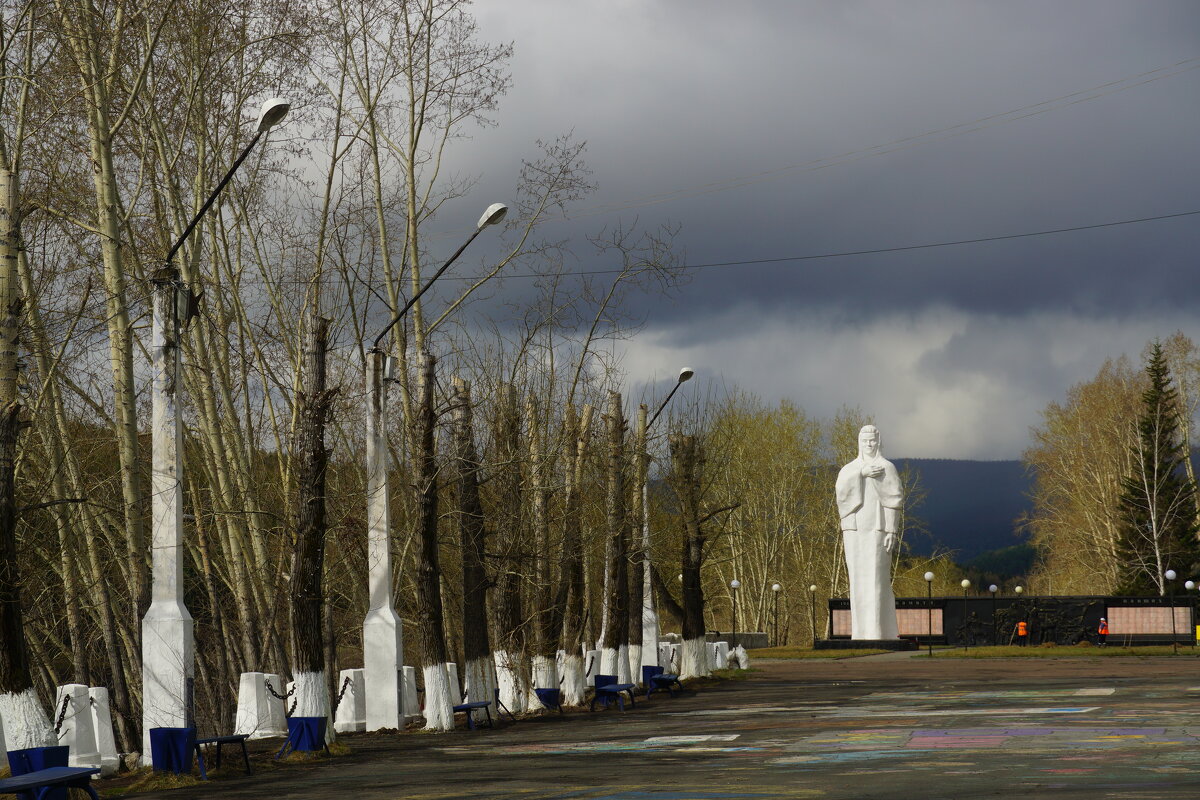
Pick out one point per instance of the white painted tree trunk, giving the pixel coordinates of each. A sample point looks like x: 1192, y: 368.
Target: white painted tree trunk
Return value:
x: 479, y: 684
x: 439, y: 710
x: 635, y: 663
x: 545, y: 676
x: 311, y: 696
x: 574, y: 684
x: 695, y: 659
x: 623, y: 673
x: 512, y: 680
x: 25, y: 722
x: 609, y: 656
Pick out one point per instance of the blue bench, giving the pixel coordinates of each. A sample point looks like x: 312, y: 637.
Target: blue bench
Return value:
x: 656, y: 678
x: 235, y: 738
x: 551, y: 699
x: 40, y: 783
x: 608, y: 690
x: 467, y: 708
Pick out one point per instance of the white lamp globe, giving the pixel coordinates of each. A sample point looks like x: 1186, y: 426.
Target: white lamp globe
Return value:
x: 966, y: 584
x: 1169, y: 574
x: 929, y: 576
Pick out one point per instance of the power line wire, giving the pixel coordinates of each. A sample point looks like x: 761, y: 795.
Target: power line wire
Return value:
x: 879, y: 250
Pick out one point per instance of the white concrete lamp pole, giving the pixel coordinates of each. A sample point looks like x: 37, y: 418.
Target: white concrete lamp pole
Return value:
x: 734, y: 585
x: 929, y: 596
x: 168, y: 655
x: 649, y: 609
x: 383, y: 636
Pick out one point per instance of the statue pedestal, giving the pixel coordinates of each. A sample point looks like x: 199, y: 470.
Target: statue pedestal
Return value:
x: 865, y: 644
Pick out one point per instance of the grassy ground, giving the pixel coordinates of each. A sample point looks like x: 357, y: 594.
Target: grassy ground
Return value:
x: 804, y: 652
x: 146, y: 780
x: 1060, y: 651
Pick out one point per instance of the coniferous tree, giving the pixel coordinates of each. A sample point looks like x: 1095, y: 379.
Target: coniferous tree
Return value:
x: 1158, y: 513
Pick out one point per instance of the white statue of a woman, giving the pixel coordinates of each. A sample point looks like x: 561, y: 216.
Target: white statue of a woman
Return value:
x: 868, y: 498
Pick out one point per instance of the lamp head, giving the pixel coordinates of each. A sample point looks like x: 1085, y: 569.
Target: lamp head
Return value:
x: 812, y: 587
x: 1019, y: 589
x: 272, y: 113
x: 966, y: 584
x: 1169, y: 574
x: 993, y: 588
x: 929, y: 577
x: 735, y: 584
x: 1189, y: 585
x: 494, y: 213
x: 686, y: 374
x: 775, y: 587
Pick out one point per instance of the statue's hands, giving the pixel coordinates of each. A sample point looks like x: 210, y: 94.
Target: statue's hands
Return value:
x: 889, y: 542
x: 872, y: 471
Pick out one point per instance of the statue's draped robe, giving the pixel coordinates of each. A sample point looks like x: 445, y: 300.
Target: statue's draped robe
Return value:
x: 861, y: 503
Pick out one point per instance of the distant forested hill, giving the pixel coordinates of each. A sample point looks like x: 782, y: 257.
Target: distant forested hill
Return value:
x: 970, y: 506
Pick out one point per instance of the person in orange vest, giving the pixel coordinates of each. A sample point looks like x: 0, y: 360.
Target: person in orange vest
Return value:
x: 1102, y: 631
x: 1022, y: 633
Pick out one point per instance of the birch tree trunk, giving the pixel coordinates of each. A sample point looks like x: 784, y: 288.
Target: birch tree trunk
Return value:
x: 308, y: 671
x: 637, y: 581
x: 571, y: 588
x: 614, y: 659
x: 439, y: 713
x: 685, y: 480
x: 21, y: 711
x: 545, y: 621
x: 512, y: 666
x: 479, y: 670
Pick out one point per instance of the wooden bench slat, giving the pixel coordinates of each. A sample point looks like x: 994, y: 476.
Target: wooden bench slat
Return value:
x: 51, y: 776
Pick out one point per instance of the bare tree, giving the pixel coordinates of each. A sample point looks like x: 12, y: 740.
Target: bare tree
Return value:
x: 479, y: 670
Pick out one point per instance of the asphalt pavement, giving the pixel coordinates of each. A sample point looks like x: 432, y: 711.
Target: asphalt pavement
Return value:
x: 874, y: 727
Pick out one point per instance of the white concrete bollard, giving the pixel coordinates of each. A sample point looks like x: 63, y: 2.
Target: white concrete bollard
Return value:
x: 260, y: 714
x: 675, y: 659
x: 722, y: 655
x: 412, y: 702
x: 664, y: 657
x: 106, y: 744
x: 591, y: 666
x: 351, y: 714
x: 739, y: 659
x: 77, y: 731
x: 276, y: 706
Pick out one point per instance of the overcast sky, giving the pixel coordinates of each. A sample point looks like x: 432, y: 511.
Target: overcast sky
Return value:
x: 781, y: 129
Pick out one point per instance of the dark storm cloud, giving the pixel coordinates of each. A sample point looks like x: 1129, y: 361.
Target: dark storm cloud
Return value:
x: 688, y: 99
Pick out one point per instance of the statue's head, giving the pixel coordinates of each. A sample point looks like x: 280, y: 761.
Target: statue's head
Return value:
x: 868, y: 441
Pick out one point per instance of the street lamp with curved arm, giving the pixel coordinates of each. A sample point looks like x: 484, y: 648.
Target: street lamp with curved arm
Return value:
x: 492, y: 215
x: 271, y: 114
x: 168, y: 660
x: 685, y: 374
